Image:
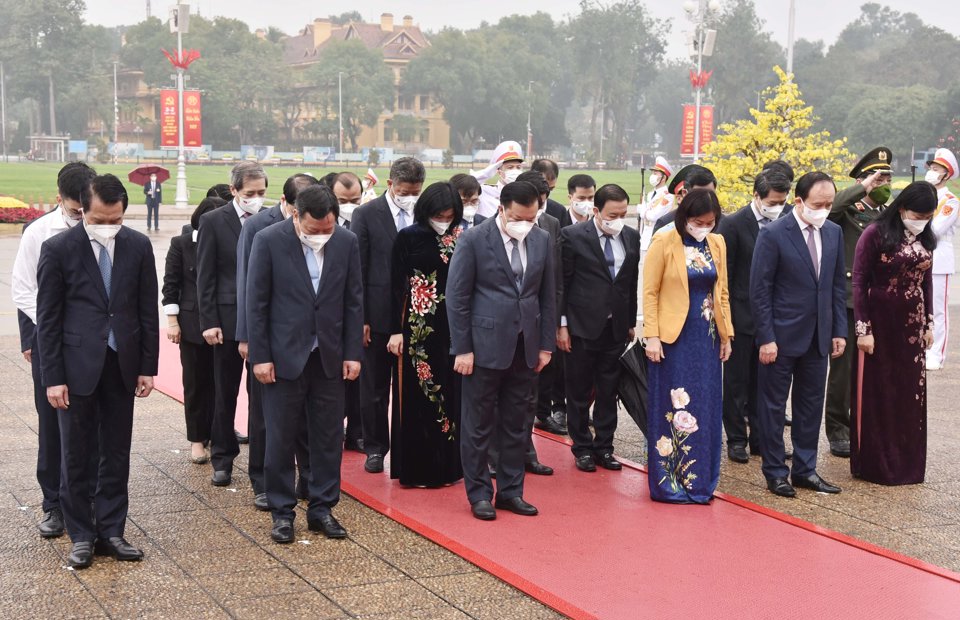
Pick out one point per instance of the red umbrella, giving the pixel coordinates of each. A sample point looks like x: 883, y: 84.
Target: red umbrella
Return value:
x: 141, y: 174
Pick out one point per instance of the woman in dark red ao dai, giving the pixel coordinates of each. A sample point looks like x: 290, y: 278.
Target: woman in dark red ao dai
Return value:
x: 892, y: 296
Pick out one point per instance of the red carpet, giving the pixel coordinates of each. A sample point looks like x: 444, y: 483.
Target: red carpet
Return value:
x: 601, y: 549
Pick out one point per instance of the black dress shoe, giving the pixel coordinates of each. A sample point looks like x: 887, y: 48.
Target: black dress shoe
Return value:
x: 355, y: 445
x: 538, y: 468
x: 241, y: 438
x: 780, y: 486
x: 52, y: 524
x: 585, y: 463
x: 330, y: 527
x: 81, y: 555
x: 550, y: 425
x: 815, y: 483
x: 738, y: 454
x: 221, y: 479
x: 483, y: 510
x: 516, y: 505
x: 282, y: 531
x: 840, y: 448
x: 560, y: 417
x: 374, y: 464
x: 260, y: 502
x: 118, y: 548
x: 607, y: 461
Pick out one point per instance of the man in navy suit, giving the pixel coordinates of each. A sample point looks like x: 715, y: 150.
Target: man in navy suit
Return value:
x: 153, y: 191
x: 798, y: 300
x: 501, y: 301
x: 99, y: 335
x: 305, y: 322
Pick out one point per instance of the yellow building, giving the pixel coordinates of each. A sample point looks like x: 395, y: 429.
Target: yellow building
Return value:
x: 138, y: 112
x: 400, y: 43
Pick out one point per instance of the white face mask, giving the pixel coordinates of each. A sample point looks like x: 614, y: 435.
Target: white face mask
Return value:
x: 582, y: 208
x: 153, y: 178
x: 347, y: 209
x: 406, y: 203
x: 250, y: 205
x: 914, y: 226
x: 67, y: 219
x: 611, y: 227
x: 771, y: 212
x: 655, y: 179
x: 438, y: 226
x: 517, y: 230
x: 814, y: 217
x: 469, y: 213
x: 315, y: 242
x: 933, y: 177
x: 697, y: 232
x: 509, y: 176
x: 103, y: 233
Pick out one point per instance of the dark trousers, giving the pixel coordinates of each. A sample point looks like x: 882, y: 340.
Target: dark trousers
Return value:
x: 377, y: 370
x: 593, y: 365
x: 199, y: 389
x: 838, y: 387
x: 559, y: 394
x: 496, y: 404
x: 315, y: 403
x: 105, y: 416
x: 740, y: 394
x: 808, y: 373
x: 546, y: 387
x: 351, y: 405
x: 153, y: 210
x: 48, y: 430
x: 531, y: 454
x: 256, y: 431
x: 228, y: 372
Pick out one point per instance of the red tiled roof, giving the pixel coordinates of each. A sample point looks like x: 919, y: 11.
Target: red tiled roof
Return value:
x: 403, y: 43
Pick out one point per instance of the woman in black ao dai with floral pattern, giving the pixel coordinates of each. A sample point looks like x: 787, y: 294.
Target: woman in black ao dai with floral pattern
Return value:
x: 892, y: 294
x: 425, y: 440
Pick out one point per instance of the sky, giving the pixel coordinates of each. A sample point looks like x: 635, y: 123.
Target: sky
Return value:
x: 816, y: 19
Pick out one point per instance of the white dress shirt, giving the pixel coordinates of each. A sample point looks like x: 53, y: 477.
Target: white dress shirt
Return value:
x: 319, y: 256
x: 619, y: 252
x: 816, y: 237
x: 395, y: 211
x: 23, y: 284
x: 508, y: 245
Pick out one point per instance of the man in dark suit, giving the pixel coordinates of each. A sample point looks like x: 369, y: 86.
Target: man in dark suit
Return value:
x: 797, y: 296
x: 99, y: 334
x: 305, y: 310
x: 740, y: 230
x: 550, y: 171
x: 153, y: 191
x: 217, y: 296
x: 501, y: 300
x: 348, y: 189
x: 72, y: 180
x: 689, y: 177
x: 256, y: 429
x: 598, y: 316
x: 376, y: 224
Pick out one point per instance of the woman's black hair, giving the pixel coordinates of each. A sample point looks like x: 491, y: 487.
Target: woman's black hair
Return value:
x: 698, y: 201
x: 436, y: 199
x: 919, y: 197
x: 206, y: 205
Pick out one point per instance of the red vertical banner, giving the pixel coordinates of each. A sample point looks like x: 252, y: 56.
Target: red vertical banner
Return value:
x: 169, y: 133
x: 688, y: 128
x: 192, y: 128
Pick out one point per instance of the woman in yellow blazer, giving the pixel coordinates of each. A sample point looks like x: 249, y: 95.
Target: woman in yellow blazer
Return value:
x: 687, y: 330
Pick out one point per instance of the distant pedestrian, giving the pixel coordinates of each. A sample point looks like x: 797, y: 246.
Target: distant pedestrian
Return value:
x: 154, y: 193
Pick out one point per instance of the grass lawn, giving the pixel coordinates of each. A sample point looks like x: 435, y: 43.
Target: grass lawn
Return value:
x: 37, y: 182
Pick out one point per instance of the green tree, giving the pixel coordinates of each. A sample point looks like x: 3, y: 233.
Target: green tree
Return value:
x: 914, y: 113
x: 368, y: 86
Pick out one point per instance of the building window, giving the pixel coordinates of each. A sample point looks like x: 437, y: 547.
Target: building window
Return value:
x: 405, y: 102
x: 424, y: 103
x: 388, y: 131
x: 423, y: 136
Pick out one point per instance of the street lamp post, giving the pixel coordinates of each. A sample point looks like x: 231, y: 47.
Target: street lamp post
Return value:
x: 3, y: 111
x: 179, y: 23
x: 790, y: 35
x: 340, y: 111
x: 699, y: 12
x: 139, y: 131
x: 116, y: 115
x: 529, y: 111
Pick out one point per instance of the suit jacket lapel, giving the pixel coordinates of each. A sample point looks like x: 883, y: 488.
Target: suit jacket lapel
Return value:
x: 89, y: 260
x: 232, y: 220
x: 800, y: 244
x: 386, y: 220
x: 499, y: 251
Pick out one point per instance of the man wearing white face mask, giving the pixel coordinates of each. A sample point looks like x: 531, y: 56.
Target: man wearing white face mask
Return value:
x: 72, y: 180
x: 598, y: 316
x: 304, y: 303
x: 348, y: 190
x: 740, y: 230
x: 99, y: 332
x: 580, y: 191
x: 507, y: 164
x: 942, y: 169
x: 376, y: 225
x: 501, y: 306
x: 217, y: 242
x: 469, y: 189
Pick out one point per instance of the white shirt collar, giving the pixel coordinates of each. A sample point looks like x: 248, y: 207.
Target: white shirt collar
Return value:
x: 503, y: 231
x: 240, y: 212
x: 757, y: 214
x: 803, y: 225
x: 393, y: 207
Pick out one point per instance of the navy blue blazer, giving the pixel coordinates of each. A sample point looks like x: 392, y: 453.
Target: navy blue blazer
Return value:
x: 263, y: 219
x: 790, y: 305
x: 285, y: 315
x: 485, y: 309
x: 74, y: 314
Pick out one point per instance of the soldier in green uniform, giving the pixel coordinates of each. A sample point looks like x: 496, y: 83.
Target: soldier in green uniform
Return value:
x: 854, y: 209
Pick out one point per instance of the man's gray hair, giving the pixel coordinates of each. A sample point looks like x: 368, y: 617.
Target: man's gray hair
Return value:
x: 407, y: 170
x: 246, y: 171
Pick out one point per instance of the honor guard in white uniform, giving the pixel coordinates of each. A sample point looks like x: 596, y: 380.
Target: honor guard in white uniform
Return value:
x: 370, y: 181
x: 657, y: 203
x: 507, y: 163
x: 942, y: 169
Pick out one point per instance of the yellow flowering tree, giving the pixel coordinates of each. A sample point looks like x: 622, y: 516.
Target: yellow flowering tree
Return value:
x: 781, y: 130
